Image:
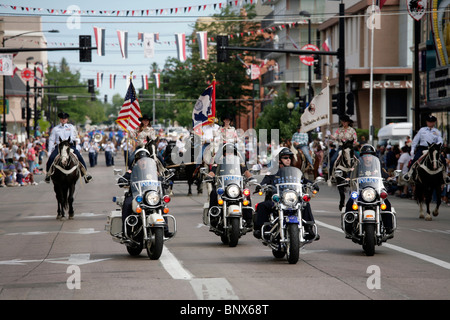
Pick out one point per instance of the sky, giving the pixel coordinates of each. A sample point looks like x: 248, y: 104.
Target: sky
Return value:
x: 71, y: 26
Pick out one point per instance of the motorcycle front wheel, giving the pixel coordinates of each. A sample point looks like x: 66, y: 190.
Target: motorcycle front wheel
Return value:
x: 233, y: 232
x: 155, y: 244
x: 293, y: 243
x: 369, y: 239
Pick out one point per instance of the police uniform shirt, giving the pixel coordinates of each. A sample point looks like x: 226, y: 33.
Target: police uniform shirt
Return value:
x: 63, y: 131
x: 426, y: 136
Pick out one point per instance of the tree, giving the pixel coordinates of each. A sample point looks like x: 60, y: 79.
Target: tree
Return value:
x: 81, y: 107
x: 278, y: 116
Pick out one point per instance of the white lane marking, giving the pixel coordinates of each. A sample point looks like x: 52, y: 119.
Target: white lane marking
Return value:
x: 418, y: 255
x: 204, y: 289
x: 173, y: 266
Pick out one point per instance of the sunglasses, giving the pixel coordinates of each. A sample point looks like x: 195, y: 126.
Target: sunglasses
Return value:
x: 285, y: 158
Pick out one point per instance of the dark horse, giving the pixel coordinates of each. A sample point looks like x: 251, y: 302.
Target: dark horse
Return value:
x: 64, y: 177
x: 184, y: 171
x: 429, y: 179
x: 345, y: 162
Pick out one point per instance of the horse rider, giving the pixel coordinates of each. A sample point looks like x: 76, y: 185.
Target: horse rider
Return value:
x: 263, y: 209
x: 343, y: 133
x: 228, y: 132
x: 424, y: 137
x: 367, y: 156
x: 300, y: 140
x: 64, y: 131
x: 208, y: 135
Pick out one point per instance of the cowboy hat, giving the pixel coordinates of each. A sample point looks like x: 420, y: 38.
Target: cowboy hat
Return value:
x: 345, y: 118
x: 63, y: 115
x: 145, y: 117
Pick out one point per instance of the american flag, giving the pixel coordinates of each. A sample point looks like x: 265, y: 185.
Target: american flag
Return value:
x: 131, y: 112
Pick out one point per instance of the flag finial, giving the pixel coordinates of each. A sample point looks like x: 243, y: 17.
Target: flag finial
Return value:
x: 131, y: 75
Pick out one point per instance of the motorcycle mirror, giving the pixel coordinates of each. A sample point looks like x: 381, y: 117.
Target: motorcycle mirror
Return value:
x: 338, y: 173
x: 117, y: 172
x: 397, y: 172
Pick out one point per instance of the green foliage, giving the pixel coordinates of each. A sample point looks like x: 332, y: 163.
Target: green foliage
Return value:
x: 278, y: 116
x: 81, y: 107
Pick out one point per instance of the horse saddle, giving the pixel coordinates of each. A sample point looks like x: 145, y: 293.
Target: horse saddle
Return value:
x: 57, y: 164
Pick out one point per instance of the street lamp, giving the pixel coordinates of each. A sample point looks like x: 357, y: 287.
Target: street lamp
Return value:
x: 4, y: 82
x: 310, y: 89
x: 290, y: 107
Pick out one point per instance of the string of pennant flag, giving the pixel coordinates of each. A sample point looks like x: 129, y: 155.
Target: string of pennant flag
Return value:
x: 131, y: 12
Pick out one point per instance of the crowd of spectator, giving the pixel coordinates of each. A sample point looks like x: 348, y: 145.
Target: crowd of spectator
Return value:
x: 21, y: 161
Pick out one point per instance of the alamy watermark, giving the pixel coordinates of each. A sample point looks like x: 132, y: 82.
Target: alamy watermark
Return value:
x: 255, y: 146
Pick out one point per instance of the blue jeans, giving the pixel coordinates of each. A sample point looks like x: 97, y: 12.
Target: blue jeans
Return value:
x: 305, y: 150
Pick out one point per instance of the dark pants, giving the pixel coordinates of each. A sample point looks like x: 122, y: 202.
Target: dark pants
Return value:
x: 55, y: 153
x: 109, y: 158
x: 92, y: 156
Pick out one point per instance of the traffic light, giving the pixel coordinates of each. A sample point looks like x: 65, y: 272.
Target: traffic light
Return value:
x: 222, y: 54
x: 317, y: 65
x: 302, y: 103
x: 335, y: 103
x: 24, y: 113
x: 91, y: 89
x: 350, y: 103
x: 85, y: 54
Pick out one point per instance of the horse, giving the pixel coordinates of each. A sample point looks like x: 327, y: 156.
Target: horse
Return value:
x: 65, y: 176
x: 429, y: 179
x: 183, y: 171
x: 345, y: 162
x: 300, y: 160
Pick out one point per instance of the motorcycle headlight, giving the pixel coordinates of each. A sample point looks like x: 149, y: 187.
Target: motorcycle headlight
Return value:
x: 233, y: 191
x: 290, y: 198
x: 152, y: 198
x: 369, y: 194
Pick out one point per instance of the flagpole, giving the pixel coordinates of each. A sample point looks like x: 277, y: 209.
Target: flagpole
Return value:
x: 128, y: 133
x: 213, y: 102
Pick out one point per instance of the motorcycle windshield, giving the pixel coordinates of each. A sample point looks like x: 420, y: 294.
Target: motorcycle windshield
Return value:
x: 229, y: 171
x: 368, y: 172
x: 288, y: 178
x: 144, y: 176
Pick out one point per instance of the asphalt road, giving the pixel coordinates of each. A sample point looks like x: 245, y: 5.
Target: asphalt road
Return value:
x: 45, y: 259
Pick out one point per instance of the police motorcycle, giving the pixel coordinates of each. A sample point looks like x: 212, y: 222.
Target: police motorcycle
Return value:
x: 369, y: 222
x: 150, y: 225
x: 226, y: 219
x: 287, y: 232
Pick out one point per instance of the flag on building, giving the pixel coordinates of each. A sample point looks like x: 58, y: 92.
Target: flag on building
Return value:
x: 205, y: 109
x: 100, y: 40
x: 130, y: 112
x: 202, y: 38
x: 326, y: 46
x: 318, y: 112
x: 180, y: 39
x: 157, y: 80
x: 123, y: 43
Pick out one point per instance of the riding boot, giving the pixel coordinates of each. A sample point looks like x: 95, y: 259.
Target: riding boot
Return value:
x: 87, y: 177
x: 47, y: 177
